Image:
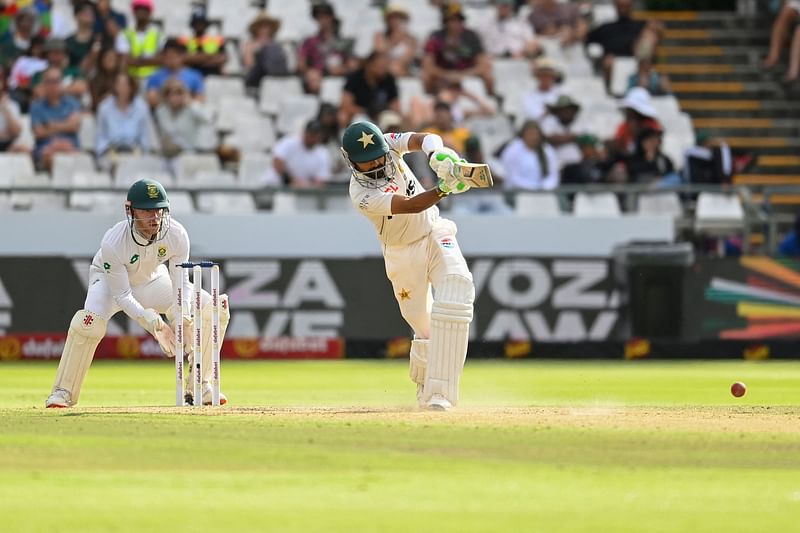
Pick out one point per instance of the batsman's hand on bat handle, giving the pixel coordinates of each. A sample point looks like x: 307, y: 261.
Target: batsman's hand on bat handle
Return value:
x: 160, y: 330
x: 442, y: 162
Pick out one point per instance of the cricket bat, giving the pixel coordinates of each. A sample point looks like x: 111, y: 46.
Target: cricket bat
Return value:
x: 477, y: 175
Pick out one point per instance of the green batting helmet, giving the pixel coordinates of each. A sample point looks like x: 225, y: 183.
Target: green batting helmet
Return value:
x: 147, y: 194
x: 363, y: 141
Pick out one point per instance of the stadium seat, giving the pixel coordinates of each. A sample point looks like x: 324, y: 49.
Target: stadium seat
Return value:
x: 492, y: 131
x: 238, y: 203
x: 509, y: 74
x: 25, y: 138
x: 207, y: 179
x: 295, y: 17
x: 180, y: 203
x: 98, y: 202
x: 273, y: 90
x: 5, y: 202
x: 218, y: 87
x: 624, y: 68
x: 252, y: 169
x: 83, y: 180
x: 408, y: 87
x: 331, y: 89
x: 230, y: 108
x: 604, y: 204
x: 131, y: 168
x: 66, y: 165
x: 17, y: 169
x: 295, y: 112
x: 718, y: 213
x: 45, y: 201
x: 88, y: 132
x: 252, y: 133
x: 662, y: 203
x: 187, y: 166
x: 537, y: 204
x: 288, y: 202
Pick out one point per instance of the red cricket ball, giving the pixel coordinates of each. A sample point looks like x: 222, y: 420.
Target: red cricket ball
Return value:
x: 738, y: 389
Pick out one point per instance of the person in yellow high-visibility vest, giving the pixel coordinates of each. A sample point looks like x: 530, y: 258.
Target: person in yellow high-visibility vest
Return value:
x: 204, y: 53
x: 143, y: 42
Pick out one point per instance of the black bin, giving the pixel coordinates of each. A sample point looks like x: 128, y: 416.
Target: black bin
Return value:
x: 651, y: 277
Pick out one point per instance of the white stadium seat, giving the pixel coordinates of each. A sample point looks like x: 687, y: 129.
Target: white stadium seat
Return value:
x: 17, y: 169
x: 66, y: 165
x: 253, y: 167
x: 252, y: 133
x: 537, y: 204
x: 331, y: 89
x: 46, y: 201
x: 661, y: 203
x: 718, y: 213
x: 273, y: 90
x: 623, y: 68
x: 187, y: 166
x: 604, y: 204
x: 238, y: 203
x: 180, y: 203
x: 99, y: 202
x: 131, y: 168
x: 295, y: 112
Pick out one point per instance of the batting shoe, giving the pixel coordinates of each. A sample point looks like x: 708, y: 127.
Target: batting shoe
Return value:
x: 60, y: 399
x: 438, y: 403
x: 207, y: 395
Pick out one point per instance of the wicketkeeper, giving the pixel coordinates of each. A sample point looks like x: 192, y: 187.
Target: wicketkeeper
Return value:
x: 419, y: 249
x: 129, y: 273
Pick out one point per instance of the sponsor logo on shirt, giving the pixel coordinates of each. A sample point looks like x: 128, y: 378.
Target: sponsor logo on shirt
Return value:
x: 447, y: 242
x: 134, y: 258
x: 106, y: 266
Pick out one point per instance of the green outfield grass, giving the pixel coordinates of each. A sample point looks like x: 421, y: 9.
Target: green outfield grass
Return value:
x: 340, y: 446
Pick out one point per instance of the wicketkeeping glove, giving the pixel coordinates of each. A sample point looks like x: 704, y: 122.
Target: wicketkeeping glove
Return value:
x: 160, y: 330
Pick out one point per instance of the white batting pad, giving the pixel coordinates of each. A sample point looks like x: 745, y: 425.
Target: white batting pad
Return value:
x: 450, y: 318
x: 86, y: 329
x: 224, y: 318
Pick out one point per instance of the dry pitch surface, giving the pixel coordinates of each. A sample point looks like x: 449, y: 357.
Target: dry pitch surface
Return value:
x: 339, y: 446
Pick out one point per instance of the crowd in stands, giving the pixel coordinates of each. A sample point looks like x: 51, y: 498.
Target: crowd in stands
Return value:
x: 147, y: 90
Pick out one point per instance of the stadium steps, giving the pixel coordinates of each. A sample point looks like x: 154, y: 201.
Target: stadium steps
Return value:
x: 713, y: 60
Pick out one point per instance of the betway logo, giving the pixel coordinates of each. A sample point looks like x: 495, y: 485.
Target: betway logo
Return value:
x: 294, y: 344
x: 42, y: 349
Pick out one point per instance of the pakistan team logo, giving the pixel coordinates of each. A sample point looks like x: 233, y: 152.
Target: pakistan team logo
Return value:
x: 134, y: 258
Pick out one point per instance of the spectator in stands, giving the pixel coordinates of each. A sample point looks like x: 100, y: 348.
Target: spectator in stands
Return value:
x: 624, y: 37
x: 711, y: 160
x: 790, y: 245
x: 453, y: 136
x: 108, y: 21
x: 174, y: 59
x: 83, y: 45
x: 506, y: 35
x: 123, y: 122
x: 397, y: 42
x: 593, y: 165
x: 326, y: 53
x: 648, y: 164
x: 261, y: 55
x: 101, y: 78
x: 369, y: 90
x: 563, y: 21
x: 55, y: 120
x: 17, y: 40
x: 141, y: 44
x: 10, y: 126
x: 793, y: 74
x: 529, y: 162
x: 787, y: 17
x: 648, y: 78
x: 73, y: 80
x: 547, y: 90
x: 562, y: 128
x: 179, y: 119
x: 204, y: 53
x: 639, y: 114
x: 463, y: 105
x: 455, y: 52
x: 328, y: 117
x: 23, y: 71
x: 301, y: 161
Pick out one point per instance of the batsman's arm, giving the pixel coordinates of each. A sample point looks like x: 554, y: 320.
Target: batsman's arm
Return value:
x: 403, y: 205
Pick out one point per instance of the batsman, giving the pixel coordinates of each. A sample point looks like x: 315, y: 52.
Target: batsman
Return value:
x: 130, y: 273
x: 419, y: 248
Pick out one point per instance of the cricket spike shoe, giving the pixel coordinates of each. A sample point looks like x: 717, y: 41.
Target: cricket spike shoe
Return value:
x: 59, y: 399
x: 438, y: 403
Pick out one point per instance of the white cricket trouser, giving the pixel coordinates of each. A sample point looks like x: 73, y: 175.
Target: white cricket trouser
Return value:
x: 156, y: 294
x: 414, y: 268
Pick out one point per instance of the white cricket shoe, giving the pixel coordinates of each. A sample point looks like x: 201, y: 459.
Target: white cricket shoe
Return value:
x: 439, y: 403
x: 60, y: 399
x: 207, y: 395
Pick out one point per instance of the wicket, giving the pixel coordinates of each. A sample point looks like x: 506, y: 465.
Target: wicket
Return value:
x: 197, y: 334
